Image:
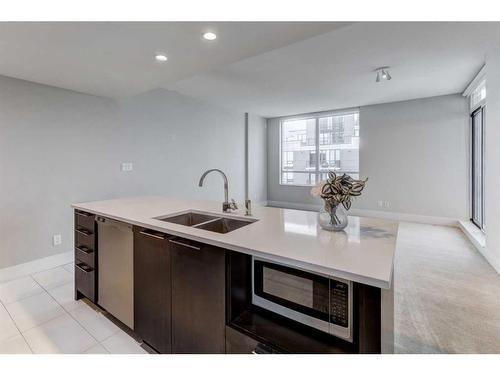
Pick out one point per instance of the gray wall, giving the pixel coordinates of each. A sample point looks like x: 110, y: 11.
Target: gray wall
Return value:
x: 58, y: 147
x: 415, y: 154
x: 257, y: 159
x: 492, y: 159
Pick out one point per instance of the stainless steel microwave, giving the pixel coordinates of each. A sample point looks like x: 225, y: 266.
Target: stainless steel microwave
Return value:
x: 324, y: 303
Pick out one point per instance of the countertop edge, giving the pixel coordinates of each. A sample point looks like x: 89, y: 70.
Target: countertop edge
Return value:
x: 383, y: 284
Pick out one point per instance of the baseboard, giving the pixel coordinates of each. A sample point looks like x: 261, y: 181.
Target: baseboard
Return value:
x: 399, y: 216
x: 490, y: 258
x: 294, y: 206
x: 260, y: 204
x: 389, y: 215
x: 473, y: 233
x: 28, y: 268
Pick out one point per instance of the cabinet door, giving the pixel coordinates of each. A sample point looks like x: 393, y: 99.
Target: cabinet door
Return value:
x: 198, y: 297
x: 152, y: 289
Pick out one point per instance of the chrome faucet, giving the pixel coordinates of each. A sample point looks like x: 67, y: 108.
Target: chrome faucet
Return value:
x: 226, y: 205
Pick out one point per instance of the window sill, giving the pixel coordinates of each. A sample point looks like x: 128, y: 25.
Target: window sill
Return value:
x: 298, y: 185
x: 475, y: 235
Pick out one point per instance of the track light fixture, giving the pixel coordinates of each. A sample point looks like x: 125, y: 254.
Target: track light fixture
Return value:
x: 383, y: 74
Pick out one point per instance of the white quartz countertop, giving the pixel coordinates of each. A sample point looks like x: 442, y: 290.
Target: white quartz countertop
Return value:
x: 364, y: 252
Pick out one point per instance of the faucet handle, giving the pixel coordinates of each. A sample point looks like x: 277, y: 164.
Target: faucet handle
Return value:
x: 248, y: 207
x: 233, y: 205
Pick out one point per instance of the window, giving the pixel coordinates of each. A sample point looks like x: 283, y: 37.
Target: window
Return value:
x: 478, y: 108
x: 332, y: 137
x: 477, y: 168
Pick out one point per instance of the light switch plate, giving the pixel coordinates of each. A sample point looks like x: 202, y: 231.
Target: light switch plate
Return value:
x: 127, y: 167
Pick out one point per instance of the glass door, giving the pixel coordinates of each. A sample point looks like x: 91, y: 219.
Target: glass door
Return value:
x: 478, y: 167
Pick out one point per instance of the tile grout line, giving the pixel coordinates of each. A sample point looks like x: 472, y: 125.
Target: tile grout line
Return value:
x: 46, y: 291
x: 23, y: 298
x: 99, y: 342
x: 31, y: 274
x: 52, y: 297
x: 14, y: 322
x: 67, y: 312
x: 72, y: 317
x: 32, y: 278
x: 97, y: 312
x: 36, y: 282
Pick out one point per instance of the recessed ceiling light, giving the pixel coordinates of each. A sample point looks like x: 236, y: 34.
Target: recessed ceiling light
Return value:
x: 161, y: 58
x: 209, y: 36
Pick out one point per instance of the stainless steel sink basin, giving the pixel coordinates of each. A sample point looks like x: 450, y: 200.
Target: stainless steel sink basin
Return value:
x: 189, y: 219
x: 212, y: 223
x: 224, y: 225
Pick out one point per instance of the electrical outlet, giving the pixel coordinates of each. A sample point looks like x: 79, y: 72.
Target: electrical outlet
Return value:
x: 56, y: 240
x: 387, y: 204
x: 380, y: 203
x: 127, y: 167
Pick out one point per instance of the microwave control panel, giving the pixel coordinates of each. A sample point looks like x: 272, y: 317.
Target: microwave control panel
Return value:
x: 339, y: 303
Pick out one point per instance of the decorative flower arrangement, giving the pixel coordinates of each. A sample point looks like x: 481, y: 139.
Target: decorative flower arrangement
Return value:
x: 334, y: 191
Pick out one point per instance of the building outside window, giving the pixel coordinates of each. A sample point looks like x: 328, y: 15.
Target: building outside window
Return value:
x: 332, y: 136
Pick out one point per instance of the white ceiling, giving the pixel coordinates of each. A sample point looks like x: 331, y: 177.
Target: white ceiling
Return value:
x: 117, y: 59
x: 335, y: 70
x: 271, y: 69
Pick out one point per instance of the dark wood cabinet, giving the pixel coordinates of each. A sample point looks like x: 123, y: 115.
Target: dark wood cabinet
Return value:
x: 238, y: 343
x: 198, y: 297
x: 85, y: 256
x: 179, y: 293
x: 152, y: 289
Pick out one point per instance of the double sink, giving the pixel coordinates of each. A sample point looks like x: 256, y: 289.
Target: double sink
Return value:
x: 205, y: 221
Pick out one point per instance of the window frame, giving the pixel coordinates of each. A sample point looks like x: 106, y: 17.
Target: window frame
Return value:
x: 482, y: 109
x: 309, y: 116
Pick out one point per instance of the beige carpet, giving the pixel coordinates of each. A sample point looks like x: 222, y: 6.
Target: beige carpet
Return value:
x: 447, y: 297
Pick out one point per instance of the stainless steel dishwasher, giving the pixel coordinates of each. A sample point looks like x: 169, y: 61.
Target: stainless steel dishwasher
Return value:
x: 116, y: 269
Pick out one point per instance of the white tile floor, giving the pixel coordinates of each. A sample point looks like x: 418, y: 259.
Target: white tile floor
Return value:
x: 38, y: 314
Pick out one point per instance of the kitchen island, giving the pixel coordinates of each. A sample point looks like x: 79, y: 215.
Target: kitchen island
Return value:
x: 192, y: 297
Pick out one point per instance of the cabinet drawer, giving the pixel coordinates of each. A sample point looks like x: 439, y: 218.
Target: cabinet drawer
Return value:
x: 238, y: 343
x: 84, y: 220
x: 85, y: 280
x: 84, y: 238
x: 84, y: 255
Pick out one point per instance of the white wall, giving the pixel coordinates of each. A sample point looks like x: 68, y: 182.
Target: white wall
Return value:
x: 415, y: 154
x: 257, y: 159
x: 58, y: 147
x: 492, y: 159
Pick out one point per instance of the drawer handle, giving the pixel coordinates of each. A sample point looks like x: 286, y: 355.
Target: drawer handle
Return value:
x: 84, y: 249
x: 84, y: 232
x: 84, y: 268
x: 149, y: 234
x: 262, y: 349
x: 185, y: 244
x: 84, y: 214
